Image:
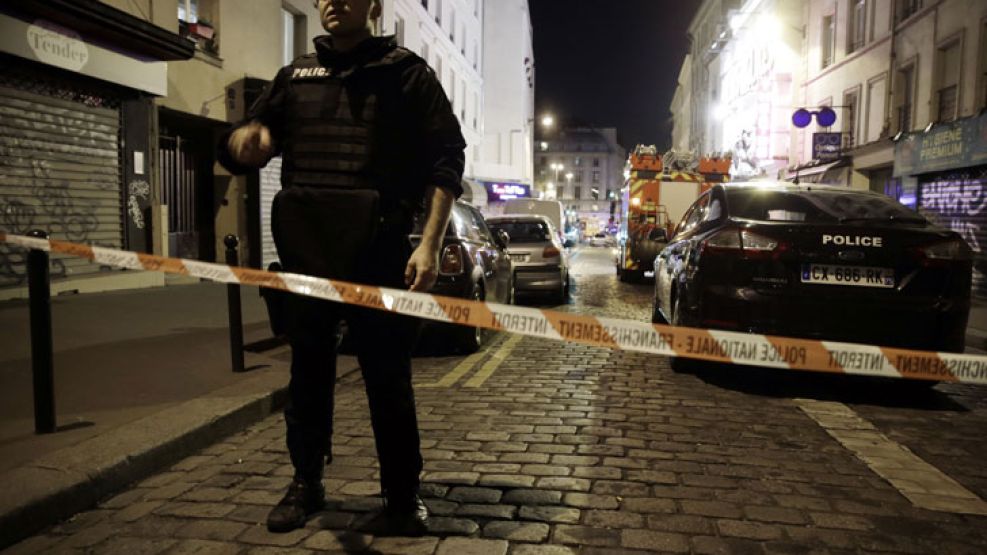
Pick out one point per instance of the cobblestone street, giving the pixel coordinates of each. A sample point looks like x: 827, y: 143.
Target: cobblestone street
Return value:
x: 534, y: 447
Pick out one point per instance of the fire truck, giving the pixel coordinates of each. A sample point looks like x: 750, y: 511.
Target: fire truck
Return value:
x: 658, y: 191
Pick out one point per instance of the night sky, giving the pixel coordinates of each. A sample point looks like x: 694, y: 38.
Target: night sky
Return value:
x: 611, y: 63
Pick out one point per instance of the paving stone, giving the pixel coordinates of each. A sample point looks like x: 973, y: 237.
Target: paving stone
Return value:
x: 135, y: 546
x: 687, y: 524
x: 532, y: 497
x: 136, y: 511
x: 124, y: 499
x: 433, y: 490
x: 506, y: 481
x: 496, y: 468
x: 227, y: 481
x: 189, y: 509
x: 249, y: 514
x: 205, y: 494
x: 591, y: 501
x: 585, y: 535
x: 350, y: 542
x: 530, y: 458
x: 749, y: 530
x: 647, y: 505
x: 551, y: 448
x: 465, y: 478
x: 564, y: 483
x: 529, y: 549
x: 405, y: 546
x: 331, y: 520
x: 620, y: 488
x: 707, y: 545
x: 486, y: 511
x: 441, y: 507
x: 546, y: 470
x: 268, y: 498
x: 845, y: 522
x: 652, y: 477
x: 472, y: 546
x: 612, y: 519
x: 153, y: 526
x: 710, y: 508
x: 602, y: 472
x: 516, y: 531
x: 205, y: 547
x: 775, y: 514
x: 447, y: 526
x: 656, y: 541
x: 258, y: 535
x: 220, y: 530
x: 474, y: 495
x: 360, y: 488
x: 547, y: 513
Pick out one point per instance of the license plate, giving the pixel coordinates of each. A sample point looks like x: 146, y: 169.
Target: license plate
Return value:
x: 519, y: 257
x: 861, y: 276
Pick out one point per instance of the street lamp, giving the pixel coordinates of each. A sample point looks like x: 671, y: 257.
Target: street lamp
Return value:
x: 557, y: 167
x: 548, y: 120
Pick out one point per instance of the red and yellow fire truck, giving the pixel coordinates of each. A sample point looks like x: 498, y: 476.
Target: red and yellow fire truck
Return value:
x: 658, y: 191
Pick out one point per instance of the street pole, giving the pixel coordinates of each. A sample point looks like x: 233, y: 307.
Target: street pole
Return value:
x: 233, y: 300
x: 42, y: 359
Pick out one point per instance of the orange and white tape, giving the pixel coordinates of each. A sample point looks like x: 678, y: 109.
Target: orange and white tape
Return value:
x: 712, y: 345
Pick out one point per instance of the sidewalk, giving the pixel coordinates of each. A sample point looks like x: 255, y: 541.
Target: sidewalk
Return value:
x: 142, y: 378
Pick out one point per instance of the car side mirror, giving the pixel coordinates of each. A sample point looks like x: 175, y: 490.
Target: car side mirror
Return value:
x: 503, y: 239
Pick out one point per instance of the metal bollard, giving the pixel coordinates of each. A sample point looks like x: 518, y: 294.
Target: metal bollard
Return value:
x: 42, y: 359
x: 233, y: 297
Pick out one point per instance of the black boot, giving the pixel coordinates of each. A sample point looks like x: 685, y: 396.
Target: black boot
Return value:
x: 401, y: 517
x: 301, y: 501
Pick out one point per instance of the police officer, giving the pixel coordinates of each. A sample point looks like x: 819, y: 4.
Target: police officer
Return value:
x: 367, y: 137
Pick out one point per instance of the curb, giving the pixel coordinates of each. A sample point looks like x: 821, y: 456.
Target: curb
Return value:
x: 65, y: 482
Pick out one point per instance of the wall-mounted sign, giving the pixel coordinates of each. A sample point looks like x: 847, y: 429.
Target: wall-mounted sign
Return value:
x: 505, y: 190
x: 947, y: 146
x: 826, y: 146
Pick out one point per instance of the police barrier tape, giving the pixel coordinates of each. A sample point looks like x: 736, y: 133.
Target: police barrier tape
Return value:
x: 711, y: 345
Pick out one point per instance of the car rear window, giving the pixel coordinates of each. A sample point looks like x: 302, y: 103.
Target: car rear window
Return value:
x: 815, y: 206
x: 523, y: 231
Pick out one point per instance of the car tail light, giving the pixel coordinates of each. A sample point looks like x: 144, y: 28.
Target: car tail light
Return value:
x: 550, y: 252
x: 451, y: 261
x: 944, y: 252
x: 743, y: 242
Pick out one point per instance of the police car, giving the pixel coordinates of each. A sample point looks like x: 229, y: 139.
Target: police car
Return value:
x: 818, y: 262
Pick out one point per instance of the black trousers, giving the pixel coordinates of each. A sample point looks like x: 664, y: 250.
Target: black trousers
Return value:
x: 384, y: 342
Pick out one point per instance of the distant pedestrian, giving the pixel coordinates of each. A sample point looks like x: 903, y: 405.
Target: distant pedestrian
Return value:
x: 368, y: 139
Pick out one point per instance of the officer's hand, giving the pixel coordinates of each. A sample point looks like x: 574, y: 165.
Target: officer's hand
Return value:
x: 251, y: 145
x: 423, y: 268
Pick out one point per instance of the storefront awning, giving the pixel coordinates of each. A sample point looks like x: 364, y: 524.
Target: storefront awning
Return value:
x: 830, y: 173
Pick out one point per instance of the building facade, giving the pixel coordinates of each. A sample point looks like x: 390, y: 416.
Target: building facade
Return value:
x: 745, y: 59
x: 506, y: 157
x: 449, y: 35
x: 682, y: 107
x: 583, y: 167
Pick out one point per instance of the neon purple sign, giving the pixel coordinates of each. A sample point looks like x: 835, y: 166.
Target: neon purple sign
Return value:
x: 505, y: 191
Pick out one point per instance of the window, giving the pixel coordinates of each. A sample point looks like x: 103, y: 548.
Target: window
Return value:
x: 425, y: 51
x: 188, y: 11
x: 452, y: 89
x: 596, y: 177
x: 851, y: 101
x: 579, y: 176
x: 578, y: 192
x: 828, y: 38
x: 596, y: 162
x: 905, y: 95
x: 578, y: 161
x: 462, y: 101
x: 399, y: 29
x: 907, y: 8
x: 857, y: 20
x: 948, y: 81
x: 452, y: 26
x: 425, y: 4
x: 438, y: 12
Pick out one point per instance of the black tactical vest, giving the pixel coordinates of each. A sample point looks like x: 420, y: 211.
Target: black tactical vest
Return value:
x: 346, y: 129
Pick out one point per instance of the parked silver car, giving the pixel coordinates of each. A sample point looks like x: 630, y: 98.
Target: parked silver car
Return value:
x: 541, y: 263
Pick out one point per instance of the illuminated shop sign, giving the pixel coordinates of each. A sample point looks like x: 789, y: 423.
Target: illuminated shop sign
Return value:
x: 505, y: 191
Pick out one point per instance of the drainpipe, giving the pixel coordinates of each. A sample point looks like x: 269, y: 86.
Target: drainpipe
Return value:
x: 888, y: 110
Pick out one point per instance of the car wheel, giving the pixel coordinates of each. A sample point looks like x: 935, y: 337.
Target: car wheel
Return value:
x: 471, y: 339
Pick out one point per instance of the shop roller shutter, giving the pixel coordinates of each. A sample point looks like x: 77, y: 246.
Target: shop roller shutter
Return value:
x: 270, y: 184
x: 60, y: 172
